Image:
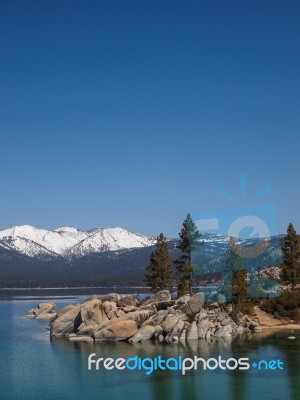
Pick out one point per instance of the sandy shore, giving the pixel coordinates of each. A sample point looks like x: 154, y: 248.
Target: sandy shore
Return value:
x: 268, y: 321
x: 279, y: 327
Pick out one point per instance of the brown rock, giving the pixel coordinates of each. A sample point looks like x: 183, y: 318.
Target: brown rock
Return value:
x: 67, y: 308
x: 67, y: 323
x: 144, y: 333
x: 169, y: 323
x: 192, y: 332
x: 162, y: 296
x: 156, y: 319
x: 92, y: 315
x: 111, y: 297
x: 116, y: 331
x: 194, y: 304
x: 127, y: 301
x: 45, y: 308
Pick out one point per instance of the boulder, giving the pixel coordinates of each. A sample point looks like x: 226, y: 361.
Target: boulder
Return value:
x: 125, y: 301
x: 144, y: 333
x: 203, y: 326
x: 185, y: 309
x: 139, y: 316
x: 66, y: 323
x: 111, y: 297
x: 128, y: 309
x: 163, y: 305
x: 175, y: 331
x: 221, y: 315
x: 183, y: 300
x: 67, y: 308
x: 194, y: 304
x: 183, y: 335
x: 48, y: 316
x: 192, y: 332
x: 44, y: 308
x: 227, y: 328
x: 115, y: 314
x: 116, y: 331
x: 192, y: 307
x: 219, y: 333
x: 92, y: 315
x: 162, y: 296
x: 158, y: 331
x: 109, y: 306
x: 207, y: 335
x: 112, y: 311
x: 43, y: 311
x: 161, y: 338
x: 157, y: 318
x: 201, y: 315
x: 180, y: 315
x: 169, y: 323
x: 226, y: 321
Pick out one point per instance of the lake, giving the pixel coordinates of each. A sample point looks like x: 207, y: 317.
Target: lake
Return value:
x: 35, y: 366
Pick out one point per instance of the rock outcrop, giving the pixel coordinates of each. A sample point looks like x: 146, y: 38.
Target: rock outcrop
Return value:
x: 115, y: 318
x: 43, y: 311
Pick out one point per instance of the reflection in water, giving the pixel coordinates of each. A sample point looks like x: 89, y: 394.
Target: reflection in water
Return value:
x: 200, y: 384
x: 34, y: 366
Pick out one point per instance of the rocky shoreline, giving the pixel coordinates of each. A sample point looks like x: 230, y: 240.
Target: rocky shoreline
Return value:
x: 114, y: 317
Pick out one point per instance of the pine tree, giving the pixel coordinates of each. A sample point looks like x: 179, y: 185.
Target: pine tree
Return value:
x: 235, y: 278
x: 159, y: 271
x: 291, y: 258
x: 189, y: 242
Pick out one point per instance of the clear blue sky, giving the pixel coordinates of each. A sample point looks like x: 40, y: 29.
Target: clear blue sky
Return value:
x: 130, y: 113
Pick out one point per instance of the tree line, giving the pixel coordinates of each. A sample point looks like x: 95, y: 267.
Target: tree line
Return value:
x: 165, y: 272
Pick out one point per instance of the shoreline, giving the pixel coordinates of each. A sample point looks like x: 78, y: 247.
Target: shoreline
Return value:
x: 279, y: 327
x: 79, y: 287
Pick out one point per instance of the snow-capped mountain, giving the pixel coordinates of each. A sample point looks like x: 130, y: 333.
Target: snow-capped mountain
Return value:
x: 110, y: 239
x: 32, y: 257
x: 70, y: 242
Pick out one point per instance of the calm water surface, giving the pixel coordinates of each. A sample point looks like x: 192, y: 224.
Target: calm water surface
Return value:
x: 34, y: 366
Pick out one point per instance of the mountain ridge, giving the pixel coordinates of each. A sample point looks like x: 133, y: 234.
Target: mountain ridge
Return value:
x: 69, y: 241
x: 67, y: 256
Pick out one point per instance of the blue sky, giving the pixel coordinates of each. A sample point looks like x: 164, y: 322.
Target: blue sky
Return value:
x: 130, y: 113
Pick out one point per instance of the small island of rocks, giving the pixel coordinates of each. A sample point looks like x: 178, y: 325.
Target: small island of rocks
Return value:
x: 116, y: 317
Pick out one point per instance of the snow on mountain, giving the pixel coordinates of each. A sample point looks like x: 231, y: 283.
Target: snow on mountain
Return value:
x: 110, y: 239
x: 27, y: 247
x: 68, y: 241
x: 57, y: 242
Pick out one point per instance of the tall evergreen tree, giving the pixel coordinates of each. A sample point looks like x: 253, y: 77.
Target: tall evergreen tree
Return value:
x: 159, y: 271
x: 235, y: 278
x: 291, y: 258
x: 189, y: 242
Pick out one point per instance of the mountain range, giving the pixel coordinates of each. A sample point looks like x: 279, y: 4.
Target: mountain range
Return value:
x: 67, y: 256
x: 70, y: 242
x: 31, y: 257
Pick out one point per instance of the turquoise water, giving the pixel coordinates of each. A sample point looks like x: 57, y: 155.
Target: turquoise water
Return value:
x: 34, y: 366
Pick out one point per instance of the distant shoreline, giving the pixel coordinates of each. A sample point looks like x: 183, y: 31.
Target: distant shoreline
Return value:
x: 79, y: 287
x: 92, y: 287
